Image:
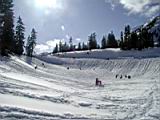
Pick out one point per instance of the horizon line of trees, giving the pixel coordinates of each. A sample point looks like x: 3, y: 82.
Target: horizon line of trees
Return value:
x: 12, y: 40
x: 107, y: 42
x: 137, y: 40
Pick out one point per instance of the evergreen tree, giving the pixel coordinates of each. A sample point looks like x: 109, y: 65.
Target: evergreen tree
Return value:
x: 140, y: 42
x: 7, y: 36
x: 79, y: 46
x: 28, y: 52
x: 65, y: 47
x: 55, y: 49
x: 121, y: 44
x: 127, y: 42
x: 92, y: 41
x: 146, y: 38
x: 84, y: 46
x: 104, y: 43
x: 70, y: 44
x: 31, y: 43
x: 60, y: 46
x: 151, y: 41
x: 134, y: 40
x: 19, y: 38
x: 111, y: 42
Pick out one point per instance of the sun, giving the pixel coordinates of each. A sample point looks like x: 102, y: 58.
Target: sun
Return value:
x: 46, y: 4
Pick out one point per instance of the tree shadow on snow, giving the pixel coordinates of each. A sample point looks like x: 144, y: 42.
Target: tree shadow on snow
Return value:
x: 29, y: 60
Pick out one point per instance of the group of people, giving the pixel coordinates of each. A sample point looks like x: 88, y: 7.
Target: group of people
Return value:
x: 123, y: 76
x: 35, y: 67
x: 99, y: 83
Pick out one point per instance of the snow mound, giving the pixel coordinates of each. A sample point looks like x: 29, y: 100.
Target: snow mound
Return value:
x: 85, y: 104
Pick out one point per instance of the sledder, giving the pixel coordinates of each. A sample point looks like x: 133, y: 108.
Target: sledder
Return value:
x: 99, y: 83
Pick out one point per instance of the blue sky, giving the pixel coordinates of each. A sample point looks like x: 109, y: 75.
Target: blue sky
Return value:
x: 56, y: 20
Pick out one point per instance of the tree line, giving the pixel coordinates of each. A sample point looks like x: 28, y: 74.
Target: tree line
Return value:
x: 107, y: 42
x: 136, y: 39
x: 12, y: 39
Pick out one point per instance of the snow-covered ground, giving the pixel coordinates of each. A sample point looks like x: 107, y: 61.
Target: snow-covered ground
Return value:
x: 55, y: 92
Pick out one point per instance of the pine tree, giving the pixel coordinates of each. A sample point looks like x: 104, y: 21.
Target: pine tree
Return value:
x: 111, y: 42
x: 19, y: 38
x: 104, y: 43
x: 79, y: 46
x: 28, y: 52
x: 84, y: 46
x: 60, y: 46
x: 70, y: 44
x: 7, y: 38
x: 55, y: 49
x: 146, y: 38
x: 121, y: 44
x: 134, y: 40
x: 151, y: 41
x: 31, y: 43
x: 92, y: 41
x: 140, y: 42
x: 127, y: 42
x: 65, y: 47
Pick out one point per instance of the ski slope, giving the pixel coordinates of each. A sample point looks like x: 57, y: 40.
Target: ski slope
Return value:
x: 52, y: 92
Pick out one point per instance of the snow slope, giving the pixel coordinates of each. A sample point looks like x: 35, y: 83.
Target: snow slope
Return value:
x: 103, y: 54
x: 52, y: 92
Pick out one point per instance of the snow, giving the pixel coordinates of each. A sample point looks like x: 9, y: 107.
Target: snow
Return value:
x: 54, y: 92
x: 102, y: 54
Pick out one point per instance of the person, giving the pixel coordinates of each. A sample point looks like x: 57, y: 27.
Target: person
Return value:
x: 98, y: 82
x: 35, y: 67
x: 129, y: 77
x: 126, y: 76
x: 116, y: 75
x: 43, y: 65
x: 121, y: 77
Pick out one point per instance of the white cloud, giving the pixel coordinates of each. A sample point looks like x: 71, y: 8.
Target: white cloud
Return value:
x: 48, y: 46
x: 40, y: 48
x: 142, y: 7
x: 78, y: 39
x: 152, y: 10
x: 67, y: 37
x: 52, y: 43
x: 113, y: 3
x: 62, y: 28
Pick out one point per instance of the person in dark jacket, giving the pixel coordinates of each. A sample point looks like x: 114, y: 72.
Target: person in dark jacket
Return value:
x: 98, y: 82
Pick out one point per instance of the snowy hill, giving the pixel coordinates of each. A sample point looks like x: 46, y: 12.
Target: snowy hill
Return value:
x: 53, y: 92
x: 105, y: 54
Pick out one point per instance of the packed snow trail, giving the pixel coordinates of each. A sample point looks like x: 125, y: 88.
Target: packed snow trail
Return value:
x: 55, y: 92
